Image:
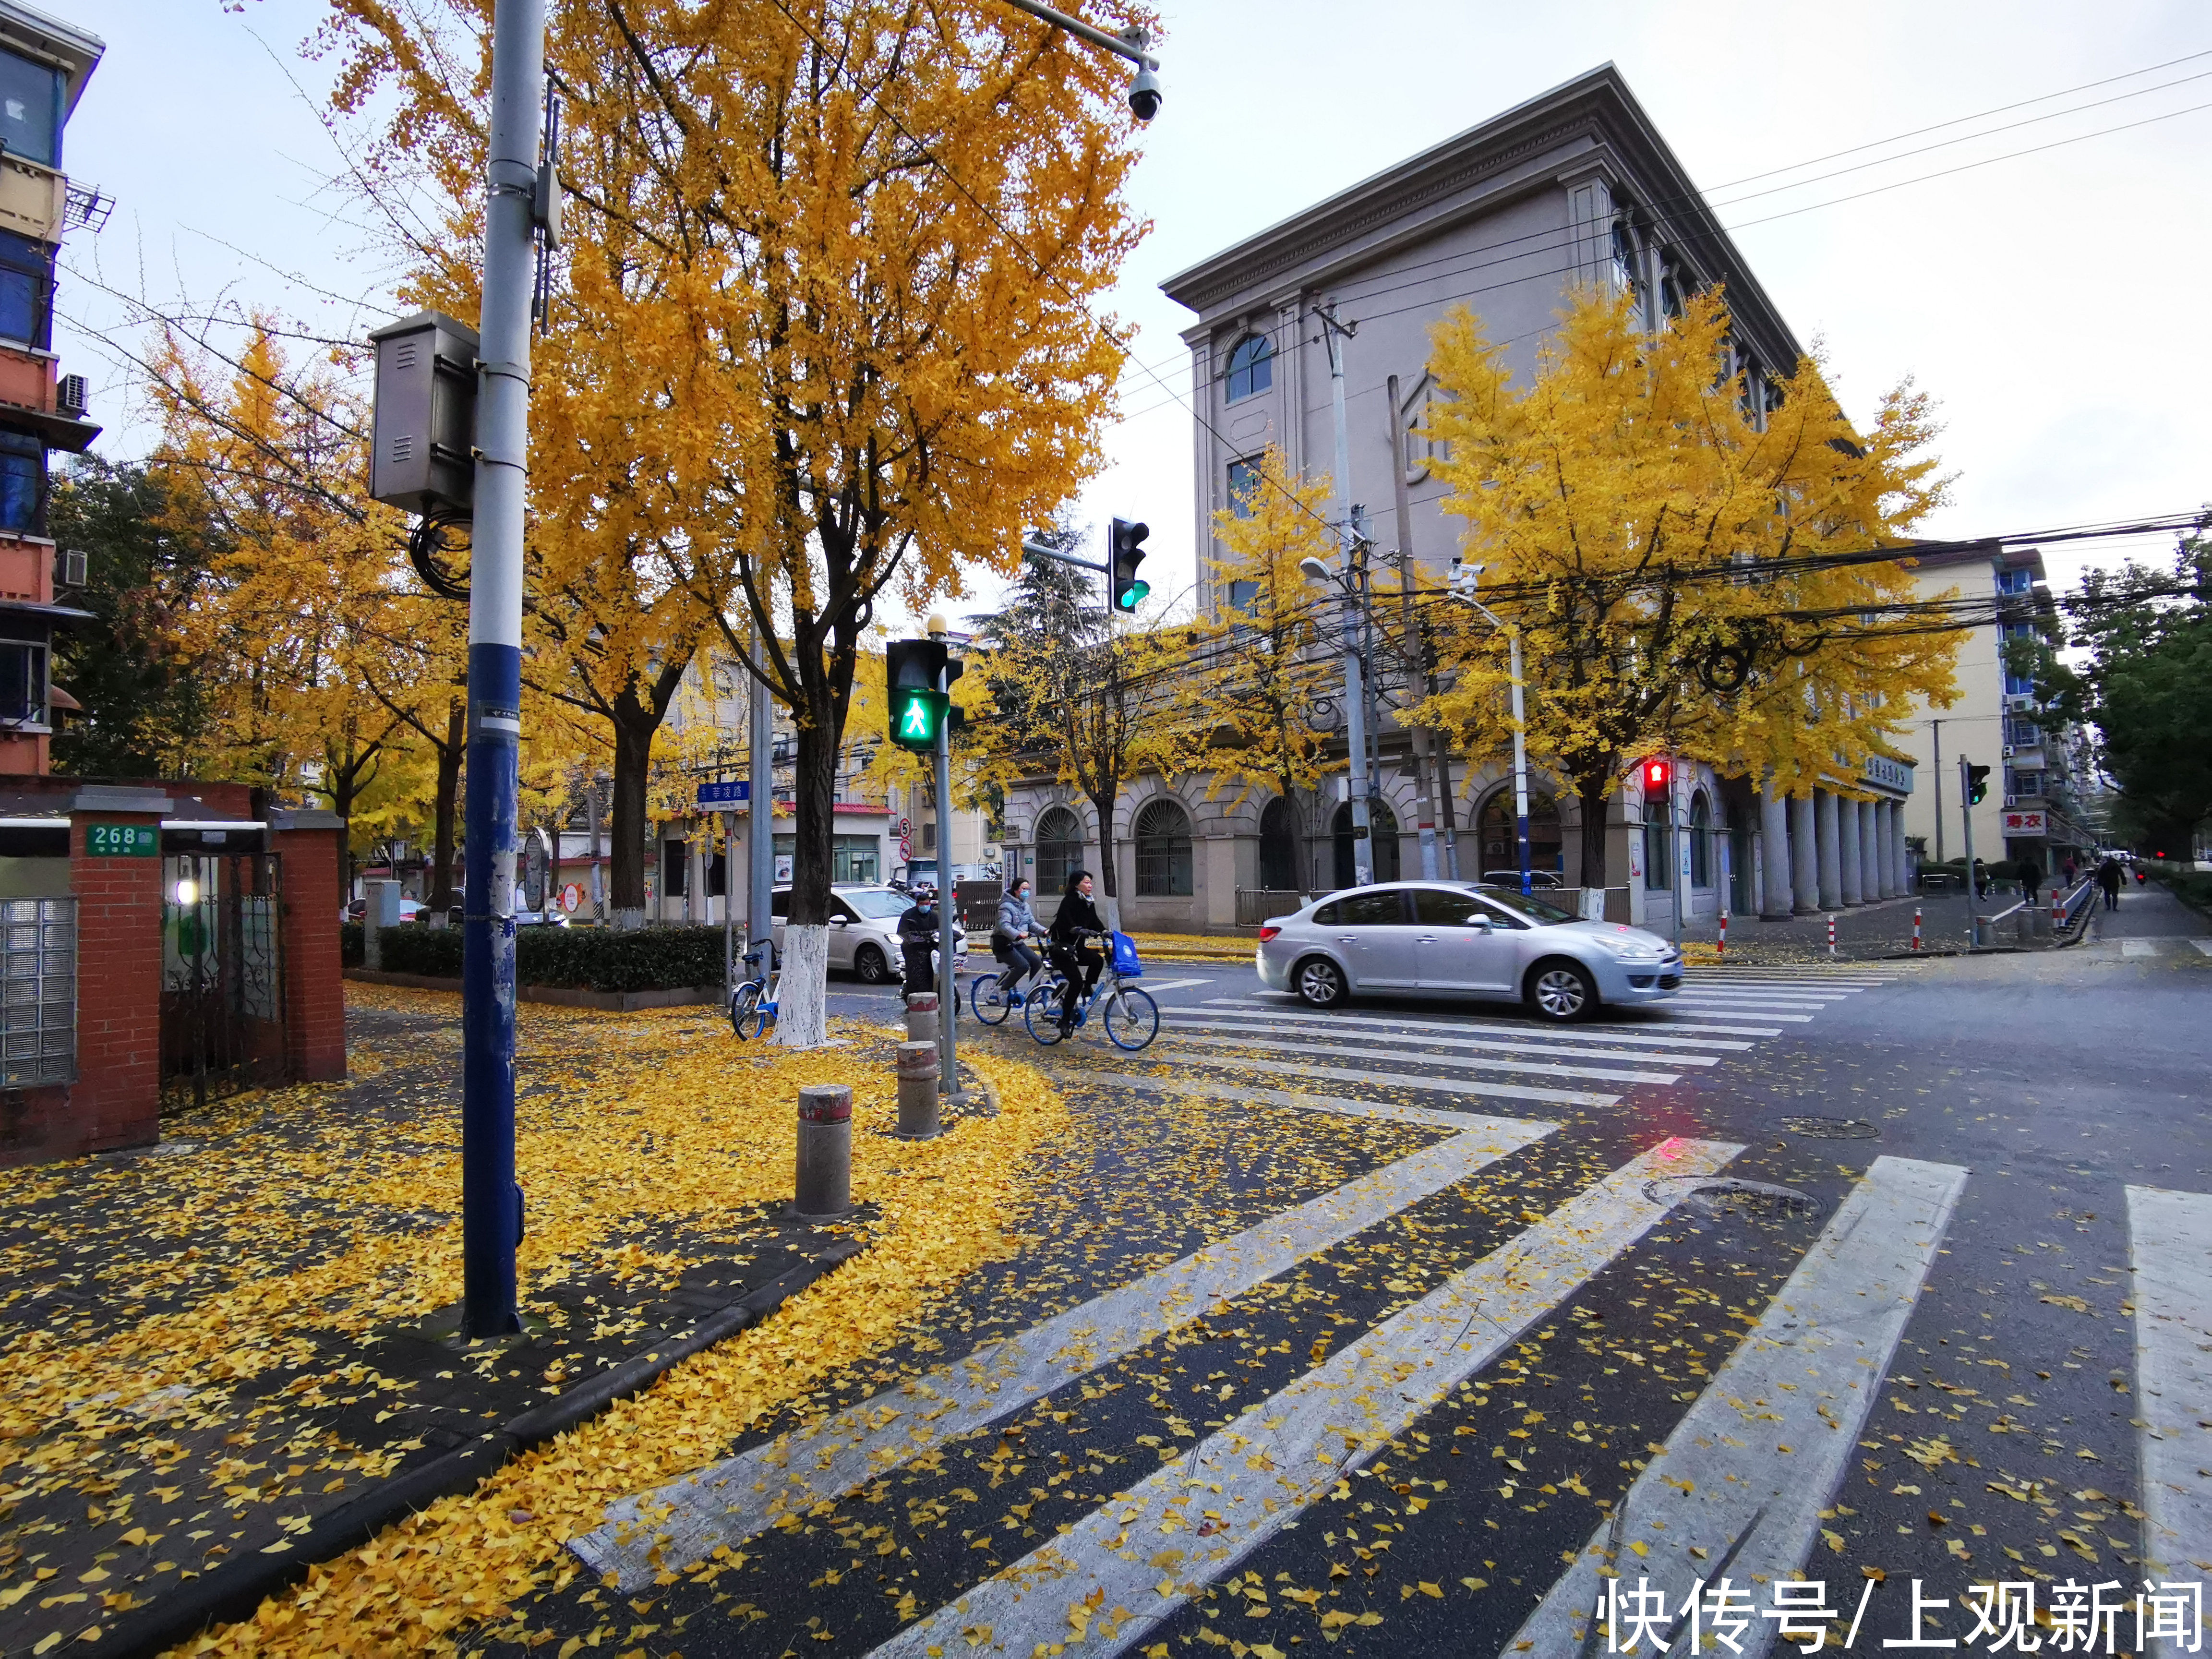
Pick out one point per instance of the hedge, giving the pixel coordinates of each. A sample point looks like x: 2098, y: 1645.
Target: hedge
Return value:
x: 2192, y: 887
x: 578, y: 958
x: 350, y: 944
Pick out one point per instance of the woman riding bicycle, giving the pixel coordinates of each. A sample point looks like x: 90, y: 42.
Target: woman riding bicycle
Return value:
x: 1016, y: 925
x: 1076, y: 923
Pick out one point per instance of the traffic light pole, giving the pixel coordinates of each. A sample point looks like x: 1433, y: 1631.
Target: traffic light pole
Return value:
x: 948, y: 903
x: 491, y: 1202
x: 1966, y: 821
x: 760, y: 813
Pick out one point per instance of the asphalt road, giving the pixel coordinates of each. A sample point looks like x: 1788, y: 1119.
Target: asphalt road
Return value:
x: 1397, y: 1329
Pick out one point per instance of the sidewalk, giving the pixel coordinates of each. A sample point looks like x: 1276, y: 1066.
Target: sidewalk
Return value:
x: 220, y: 1349
x: 1866, y: 933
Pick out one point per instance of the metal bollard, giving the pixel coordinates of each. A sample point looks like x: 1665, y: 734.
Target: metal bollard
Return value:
x: 1915, y: 928
x: 2023, y: 927
x: 1722, y: 949
x: 917, y: 1091
x: 825, y: 1151
x: 1831, y: 936
x: 921, y: 1016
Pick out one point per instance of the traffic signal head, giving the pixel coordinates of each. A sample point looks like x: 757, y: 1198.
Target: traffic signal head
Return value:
x: 916, y: 706
x: 1977, y: 784
x: 1125, y: 551
x: 1657, y: 773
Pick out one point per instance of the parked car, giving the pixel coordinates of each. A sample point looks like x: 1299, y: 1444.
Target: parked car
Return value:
x: 864, y: 930
x: 409, y: 910
x: 1541, y: 880
x: 1441, y: 939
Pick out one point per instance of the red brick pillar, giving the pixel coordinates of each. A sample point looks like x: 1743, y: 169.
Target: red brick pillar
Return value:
x: 117, y: 877
x: 314, y: 982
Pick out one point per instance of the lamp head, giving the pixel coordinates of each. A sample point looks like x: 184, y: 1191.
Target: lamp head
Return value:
x: 936, y: 627
x: 1313, y: 570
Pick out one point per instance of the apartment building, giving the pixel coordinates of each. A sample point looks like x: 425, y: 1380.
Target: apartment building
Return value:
x: 43, y: 65
x: 2038, y: 766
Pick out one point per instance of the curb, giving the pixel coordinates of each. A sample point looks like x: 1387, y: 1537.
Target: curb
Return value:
x: 234, y: 1590
x: 613, y: 1002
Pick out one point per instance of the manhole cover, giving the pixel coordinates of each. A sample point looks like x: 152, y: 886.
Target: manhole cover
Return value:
x: 1718, y: 1199
x: 1831, y: 1128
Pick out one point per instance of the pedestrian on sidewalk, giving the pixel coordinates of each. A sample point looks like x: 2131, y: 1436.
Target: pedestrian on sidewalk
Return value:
x: 1981, y: 879
x: 2069, y: 868
x: 917, y: 931
x: 1072, y: 926
x: 1010, y: 936
x: 2031, y: 878
x: 2108, y: 878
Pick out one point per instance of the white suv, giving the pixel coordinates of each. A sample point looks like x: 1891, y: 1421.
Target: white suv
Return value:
x: 864, y: 930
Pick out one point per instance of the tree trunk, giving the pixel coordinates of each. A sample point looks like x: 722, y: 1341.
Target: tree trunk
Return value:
x: 450, y: 755
x: 634, y: 731
x: 802, y: 1019
x: 1592, y: 793
x: 1103, y: 805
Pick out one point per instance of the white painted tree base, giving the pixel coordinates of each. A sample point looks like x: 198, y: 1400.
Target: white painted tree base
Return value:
x: 802, y: 1011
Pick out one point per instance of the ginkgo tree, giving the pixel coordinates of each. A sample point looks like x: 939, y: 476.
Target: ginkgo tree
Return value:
x: 1689, y: 573
x: 826, y: 338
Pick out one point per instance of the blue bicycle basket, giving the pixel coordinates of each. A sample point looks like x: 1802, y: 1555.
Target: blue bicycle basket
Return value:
x: 1125, y: 957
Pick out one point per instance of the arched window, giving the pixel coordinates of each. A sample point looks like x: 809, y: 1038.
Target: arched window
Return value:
x: 1162, y: 850
x: 1279, y: 847
x: 1658, y: 847
x: 1501, y: 848
x: 1701, y: 840
x: 1251, y: 368
x: 1058, y: 850
x: 1382, y: 827
x: 1627, y: 266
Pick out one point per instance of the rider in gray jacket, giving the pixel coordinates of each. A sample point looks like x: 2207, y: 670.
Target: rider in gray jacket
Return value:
x: 1010, y: 935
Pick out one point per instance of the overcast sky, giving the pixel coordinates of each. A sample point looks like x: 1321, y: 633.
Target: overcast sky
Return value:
x: 2053, y: 302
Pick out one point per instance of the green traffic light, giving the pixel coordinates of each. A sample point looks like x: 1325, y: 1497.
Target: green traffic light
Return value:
x: 1134, y: 595
x: 920, y: 716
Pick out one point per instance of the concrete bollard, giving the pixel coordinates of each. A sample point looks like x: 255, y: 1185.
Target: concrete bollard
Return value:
x: 825, y: 1151
x: 2023, y: 925
x: 921, y: 1016
x: 917, y: 1091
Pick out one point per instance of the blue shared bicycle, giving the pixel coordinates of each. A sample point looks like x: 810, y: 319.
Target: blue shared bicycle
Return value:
x: 752, y: 1002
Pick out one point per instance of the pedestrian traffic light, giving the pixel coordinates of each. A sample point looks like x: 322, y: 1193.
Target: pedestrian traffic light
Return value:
x: 1977, y: 784
x: 916, y: 708
x: 1127, y: 552
x: 1657, y: 772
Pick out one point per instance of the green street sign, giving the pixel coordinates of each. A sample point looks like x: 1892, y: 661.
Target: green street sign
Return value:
x: 122, y: 840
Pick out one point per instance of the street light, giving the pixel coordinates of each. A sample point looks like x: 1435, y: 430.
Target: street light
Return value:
x: 1463, y: 580
x: 1355, y: 706
x: 1130, y: 43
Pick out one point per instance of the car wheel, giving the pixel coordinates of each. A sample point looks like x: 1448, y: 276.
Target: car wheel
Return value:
x: 1319, y: 981
x: 1561, y: 991
x: 871, y: 965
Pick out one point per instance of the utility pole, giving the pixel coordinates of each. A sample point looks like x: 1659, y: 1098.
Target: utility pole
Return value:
x: 1936, y: 772
x: 760, y: 813
x: 1416, y: 671
x: 1463, y: 580
x: 1355, y: 690
x: 491, y: 1203
x: 948, y: 1047
x: 1967, y: 820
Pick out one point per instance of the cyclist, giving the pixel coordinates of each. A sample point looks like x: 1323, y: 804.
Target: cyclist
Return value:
x: 1016, y: 925
x: 917, y: 933
x: 1074, y: 926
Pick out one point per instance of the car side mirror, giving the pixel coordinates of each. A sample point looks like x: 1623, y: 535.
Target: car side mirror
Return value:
x: 836, y: 921
x: 1480, y: 920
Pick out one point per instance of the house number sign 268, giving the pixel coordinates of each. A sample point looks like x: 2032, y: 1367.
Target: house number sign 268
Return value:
x: 122, y: 840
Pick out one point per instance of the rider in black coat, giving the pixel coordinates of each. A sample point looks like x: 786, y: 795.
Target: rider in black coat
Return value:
x: 1071, y: 950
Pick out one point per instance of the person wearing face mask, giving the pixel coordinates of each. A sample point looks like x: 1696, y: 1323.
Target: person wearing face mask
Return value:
x: 1017, y: 925
x: 1076, y: 921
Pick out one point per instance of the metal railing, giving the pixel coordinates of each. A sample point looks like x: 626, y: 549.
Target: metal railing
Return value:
x: 1256, y: 904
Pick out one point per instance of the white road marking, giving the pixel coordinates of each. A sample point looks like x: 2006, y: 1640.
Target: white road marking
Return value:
x: 1613, y: 1035
x: 1341, y: 1105
x: 1417, y: 1080
x: 2203, y: 944
x: 2170, y: 1252
x: 740, y: 1497
x: 2139, y: 947
x: 1752, y: 1002
x: 1165, y: 984
x: 1194, y: 1020
x: 1460, y: 1062
x: 1244, y: 1481
x: 1746, y: 1472
x: 1693, y: 1013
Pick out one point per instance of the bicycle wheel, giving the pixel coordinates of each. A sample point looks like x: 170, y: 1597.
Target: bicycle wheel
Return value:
x: 743, y: 1000
x: 757, y: 1019
x: 989, y: 1002
x: 1042, y: 1015
x: 1133, y: 1019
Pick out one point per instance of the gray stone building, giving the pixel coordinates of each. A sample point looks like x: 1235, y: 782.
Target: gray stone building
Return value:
x: 1569, y: 189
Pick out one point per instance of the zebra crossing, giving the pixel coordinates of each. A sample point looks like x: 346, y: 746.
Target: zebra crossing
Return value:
x: 2139, y: 948
x: 1743, y: 1477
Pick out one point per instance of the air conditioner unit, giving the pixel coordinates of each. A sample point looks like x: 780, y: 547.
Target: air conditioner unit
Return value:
x: 69, y: 397
x: 2008, y: 751
x: 76, y: 568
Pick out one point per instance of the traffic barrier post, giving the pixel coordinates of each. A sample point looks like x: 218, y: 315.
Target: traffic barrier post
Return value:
x: 917, y: 1091
x: 823, y: 1187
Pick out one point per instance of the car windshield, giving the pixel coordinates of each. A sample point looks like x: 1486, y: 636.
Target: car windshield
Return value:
x: 876, y: 905
x: 1525, y: 904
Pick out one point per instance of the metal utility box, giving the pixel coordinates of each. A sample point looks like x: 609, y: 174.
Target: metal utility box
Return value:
x: 423, y: 437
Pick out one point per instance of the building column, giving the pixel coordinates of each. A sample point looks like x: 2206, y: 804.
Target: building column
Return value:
x: 1870, y: 866
x: 314, y: 976
x: 1804, y: 858
x: 1774, y: 855
x: 1850, y: 860
x: 1900, y: 856
x: 1830, y: 865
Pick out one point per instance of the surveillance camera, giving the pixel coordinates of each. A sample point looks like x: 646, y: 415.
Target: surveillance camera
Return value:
x: 1144, y: 95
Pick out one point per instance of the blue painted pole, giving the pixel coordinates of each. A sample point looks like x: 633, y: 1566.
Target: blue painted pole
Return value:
x: 491, y: 1202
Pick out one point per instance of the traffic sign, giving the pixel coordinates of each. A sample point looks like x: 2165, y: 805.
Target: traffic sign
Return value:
x: 572, y: 897
x: 738, y: 793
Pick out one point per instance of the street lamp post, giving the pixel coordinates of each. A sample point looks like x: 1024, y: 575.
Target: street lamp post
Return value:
x: 1463, y: 578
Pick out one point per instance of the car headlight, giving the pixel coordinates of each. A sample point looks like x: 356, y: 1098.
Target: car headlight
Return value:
x: 1638, y: 953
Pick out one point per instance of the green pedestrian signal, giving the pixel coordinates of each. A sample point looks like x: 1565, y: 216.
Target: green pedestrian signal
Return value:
x: 917, y: 718
x: 1977, y: 784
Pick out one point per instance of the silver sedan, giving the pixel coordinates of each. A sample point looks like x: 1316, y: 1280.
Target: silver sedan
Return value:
x: 1448, y: 939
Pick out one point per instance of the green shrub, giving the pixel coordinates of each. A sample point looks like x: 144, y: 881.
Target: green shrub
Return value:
x: 349, y: 944
x: 576, y: 958
x: 2193, y: 887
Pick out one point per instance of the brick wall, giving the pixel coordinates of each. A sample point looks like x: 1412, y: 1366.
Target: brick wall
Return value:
x: 116, y: 1098
x: 314, y: 983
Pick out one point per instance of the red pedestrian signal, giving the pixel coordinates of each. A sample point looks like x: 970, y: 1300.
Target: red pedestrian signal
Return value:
x: 1657, y: 773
